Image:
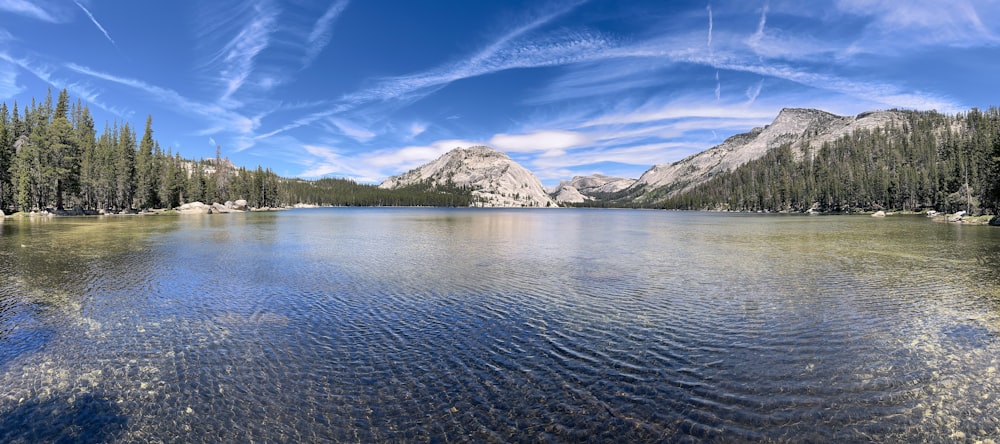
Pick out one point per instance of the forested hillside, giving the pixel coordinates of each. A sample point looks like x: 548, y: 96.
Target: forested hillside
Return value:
x: 344, y: 192
x: 52, y: 156
x: 931, y: 161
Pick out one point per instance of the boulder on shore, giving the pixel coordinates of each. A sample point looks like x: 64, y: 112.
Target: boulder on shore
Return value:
x: 957, y: 217
x: 194, y: 208
x: 238, y: 205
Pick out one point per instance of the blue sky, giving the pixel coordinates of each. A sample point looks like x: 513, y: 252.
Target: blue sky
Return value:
x: 365, y: 89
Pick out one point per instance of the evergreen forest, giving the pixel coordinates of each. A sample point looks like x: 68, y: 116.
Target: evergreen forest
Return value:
x: 52, y: 157
x: 930, y: 161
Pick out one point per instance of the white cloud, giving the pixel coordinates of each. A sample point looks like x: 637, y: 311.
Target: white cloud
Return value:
x: 353, y: 131
x: 678, y: 109
x: 327, y: 161
x: 416, y: 129
x: 222, y: 117
x: 407, y: 158
x: 78, y: 89
x: 322, y: 31
x: 718, y: 86
x: 753, y: 91
x: 239, y: 53
x: 538, y: 141
x: 96, y: 23
x: 505, y: 53
x: 754, y: 40
x: 8, y: 83
x: 28, y: 9
x: 644, y: 155
x: 710, y: 25
x: 927, y: 21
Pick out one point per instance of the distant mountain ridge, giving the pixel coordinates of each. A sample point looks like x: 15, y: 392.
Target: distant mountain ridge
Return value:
x: 800, y: 127
x: 805, y: 160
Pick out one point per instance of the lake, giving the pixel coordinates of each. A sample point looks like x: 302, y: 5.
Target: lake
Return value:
x: 473, y: 325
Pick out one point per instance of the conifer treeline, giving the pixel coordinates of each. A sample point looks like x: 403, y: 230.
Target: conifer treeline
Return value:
x: 51, y: 156
x: 344, y: 192
x: 930, y: 161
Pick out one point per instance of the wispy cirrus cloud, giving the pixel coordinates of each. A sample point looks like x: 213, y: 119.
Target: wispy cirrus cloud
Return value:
x: 416, y: 129
x: 925, y: 22
x: 546, y: 141
x: 882, y: 93
x: 322, y: 31
x: 711, y: 25
x: 239, y: 53
x: 409, y: 157
x: 756, y: 37
x: 301, y: 121
x: 753, y: 91
x: 326, y: 160
x: 352, y: 130
x: 96, y: 23
x: 224, y: 118
x: 507, y: 52
x: 46, y: 74
x: 8, y: 82
x: 28, y: 9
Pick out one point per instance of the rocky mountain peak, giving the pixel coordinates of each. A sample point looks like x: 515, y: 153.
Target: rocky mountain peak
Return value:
x: 800, y: 127
x: 583, y: 188
x: 495, y: 179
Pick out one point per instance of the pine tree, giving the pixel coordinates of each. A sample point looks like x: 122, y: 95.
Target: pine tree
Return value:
x: 83, y: 125
x: 63, y: 160
x: 6, y: 159
x: 125, y: 167
x: 146, y: 174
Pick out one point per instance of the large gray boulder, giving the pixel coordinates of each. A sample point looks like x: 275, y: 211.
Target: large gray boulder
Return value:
x: 194, y: 208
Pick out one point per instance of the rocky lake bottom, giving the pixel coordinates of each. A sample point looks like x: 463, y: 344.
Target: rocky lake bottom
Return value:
x: 472, y: 325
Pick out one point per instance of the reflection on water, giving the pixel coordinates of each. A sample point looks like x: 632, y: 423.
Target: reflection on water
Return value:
x: 471, y: 325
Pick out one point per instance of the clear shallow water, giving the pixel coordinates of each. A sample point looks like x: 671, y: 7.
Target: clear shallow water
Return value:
x: 469, y: 325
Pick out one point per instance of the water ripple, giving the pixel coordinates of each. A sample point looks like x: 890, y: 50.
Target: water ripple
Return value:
x: 423, y: 325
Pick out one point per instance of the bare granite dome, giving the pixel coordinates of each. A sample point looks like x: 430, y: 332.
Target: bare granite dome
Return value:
x: 495, y: 179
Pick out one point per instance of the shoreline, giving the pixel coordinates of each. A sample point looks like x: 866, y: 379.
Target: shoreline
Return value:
x: 214, y: 208
x: 217, y: 208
